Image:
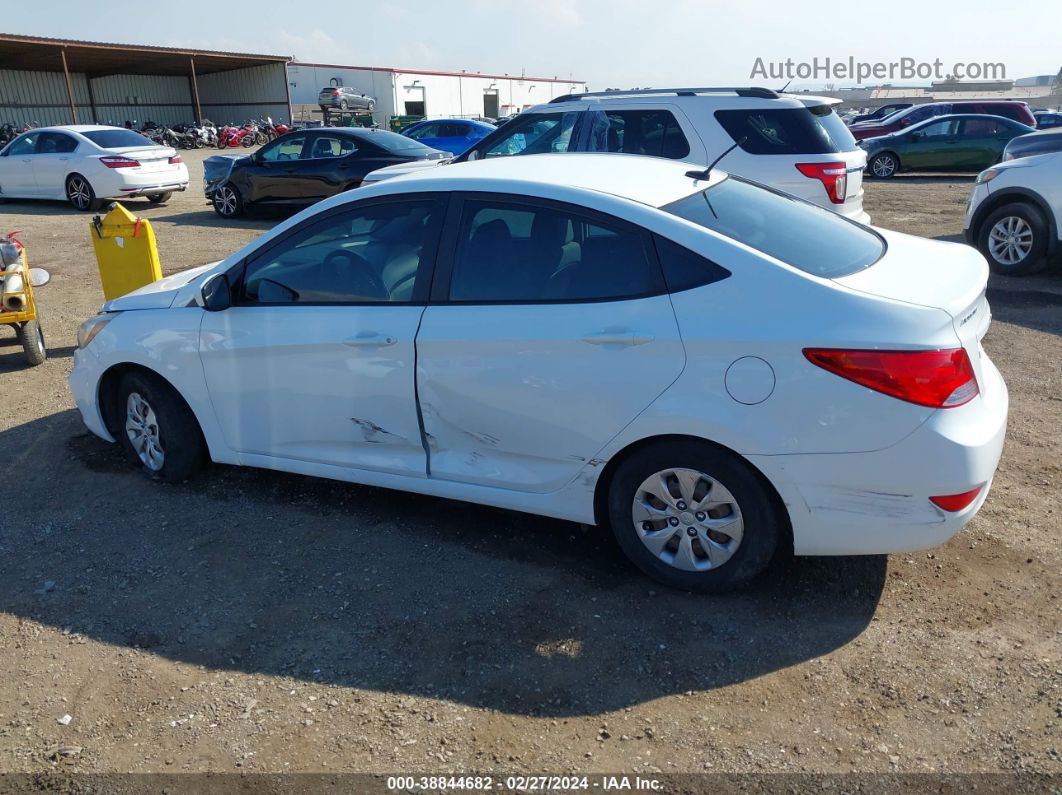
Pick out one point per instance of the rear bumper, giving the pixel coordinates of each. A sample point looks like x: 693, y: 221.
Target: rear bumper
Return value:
x: 878, y: 502
x: 120, y: 183
x: 149, y: 189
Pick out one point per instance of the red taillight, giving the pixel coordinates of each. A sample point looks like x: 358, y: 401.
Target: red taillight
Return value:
x: 833, y: 176
x: 940, y: 379
x: 117, y: 161
x: 956, y: 502
x: 176, y: 159
x: 335, y: 93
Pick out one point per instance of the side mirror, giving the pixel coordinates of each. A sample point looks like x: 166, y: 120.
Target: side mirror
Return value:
x: 216, y: 293
x: 39, y: 277
x: 473, y: 155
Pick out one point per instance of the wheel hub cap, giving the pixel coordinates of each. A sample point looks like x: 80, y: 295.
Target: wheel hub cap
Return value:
x: 1010, y: 240
x: 679, y: 537
x: 142, y: 428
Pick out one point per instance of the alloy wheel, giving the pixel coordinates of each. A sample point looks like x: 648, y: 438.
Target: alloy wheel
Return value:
x: 225, y: 200
x: 687, y: 519
x: 79, y: 193
x: 1010, y: 240
x: 142, y: 428
x: 883, y: 166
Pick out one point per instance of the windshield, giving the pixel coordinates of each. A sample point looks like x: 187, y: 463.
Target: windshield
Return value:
x: 117, y: 139
x: 816, y: 241
x: 531, y: 133
x: 814, y: 130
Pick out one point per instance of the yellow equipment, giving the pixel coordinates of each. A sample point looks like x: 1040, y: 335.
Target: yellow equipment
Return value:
x: 18, y: 308
x: 125, y: 252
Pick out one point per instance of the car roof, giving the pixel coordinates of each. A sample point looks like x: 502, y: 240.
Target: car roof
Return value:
x: 78, y: 128
x: 473, y: 122
x: 652, y: 181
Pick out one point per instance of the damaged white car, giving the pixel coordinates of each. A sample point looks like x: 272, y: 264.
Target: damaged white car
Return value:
x: 714, y: 369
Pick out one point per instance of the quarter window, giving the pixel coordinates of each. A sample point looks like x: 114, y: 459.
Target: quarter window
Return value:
x: 525, y: 253
x: 685, y: 269
x: 638, y: 132
x: 369, y: 254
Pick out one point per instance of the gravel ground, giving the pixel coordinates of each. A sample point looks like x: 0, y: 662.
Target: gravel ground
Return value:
x: 255, y: 621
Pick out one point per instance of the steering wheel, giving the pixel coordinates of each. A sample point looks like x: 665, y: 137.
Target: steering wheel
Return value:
x: 355, y: 273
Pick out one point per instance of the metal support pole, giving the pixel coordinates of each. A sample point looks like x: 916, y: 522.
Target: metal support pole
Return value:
x: 69, y: 86
x: 195, y: 91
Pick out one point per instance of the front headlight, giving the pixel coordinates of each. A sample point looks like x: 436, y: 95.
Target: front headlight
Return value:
x: 987, y: 175
x: 93, y: 326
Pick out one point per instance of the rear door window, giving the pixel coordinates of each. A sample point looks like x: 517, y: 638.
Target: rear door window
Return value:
x: 816, y: 241
x: 326, y: 146
x: 652, y: 131
x: 55, y: 143
x: 814, y: 130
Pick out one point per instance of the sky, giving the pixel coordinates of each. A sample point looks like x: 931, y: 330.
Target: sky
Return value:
x: 608, y: 43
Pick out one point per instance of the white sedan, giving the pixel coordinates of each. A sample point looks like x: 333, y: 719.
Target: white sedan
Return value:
x: 714, y: 369
x: 86, y: 163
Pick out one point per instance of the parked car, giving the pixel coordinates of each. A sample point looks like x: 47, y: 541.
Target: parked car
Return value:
x: 957, y: 142
x: 600, y: 338
x: 1035, y: 143
x: 303, y: 167
x: 794, y: 143
x: 87, y: 163
x: 1008, y: 108
x: 1014, y: 215
x: 879, y: 113
x: 1045, y: 120
x: 449, y: 135
x: 345, y: 98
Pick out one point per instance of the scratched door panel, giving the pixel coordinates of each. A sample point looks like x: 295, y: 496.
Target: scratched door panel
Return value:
x: 328, y: 384
x: 522, y: 396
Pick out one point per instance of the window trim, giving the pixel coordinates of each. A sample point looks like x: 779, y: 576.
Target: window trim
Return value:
x: 425, y: 271
x: 455, y: 217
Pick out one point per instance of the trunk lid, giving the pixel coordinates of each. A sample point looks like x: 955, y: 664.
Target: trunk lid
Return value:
x: 948, y: 276
x: 151, y: 158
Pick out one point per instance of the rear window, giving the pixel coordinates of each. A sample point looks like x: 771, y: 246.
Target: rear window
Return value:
x: 393, y: 142
x: 815, y: 240
x: 814, y: 130
x: 117, y: 139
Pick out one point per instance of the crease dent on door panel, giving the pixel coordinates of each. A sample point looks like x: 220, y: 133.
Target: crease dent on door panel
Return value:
x: 426, y: 439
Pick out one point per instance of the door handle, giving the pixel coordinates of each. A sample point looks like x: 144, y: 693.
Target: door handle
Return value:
x: 621, y: 337
x: 369, y: 340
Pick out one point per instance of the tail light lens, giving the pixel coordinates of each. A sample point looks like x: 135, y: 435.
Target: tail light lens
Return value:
x: 335, y: 93
x: 117, y: 161
x: 939, y: 379
x: 956, y: 502
x: 175, y: 160
x: 833, y: 176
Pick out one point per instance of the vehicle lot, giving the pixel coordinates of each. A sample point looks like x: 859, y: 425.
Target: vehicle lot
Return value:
x: 268, y: 622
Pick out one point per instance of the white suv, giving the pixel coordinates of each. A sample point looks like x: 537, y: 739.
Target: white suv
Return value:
x: 795, y: 143
x: 1014, y: 212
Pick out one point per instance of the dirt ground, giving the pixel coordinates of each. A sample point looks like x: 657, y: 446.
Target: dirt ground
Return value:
x: 255, y: 621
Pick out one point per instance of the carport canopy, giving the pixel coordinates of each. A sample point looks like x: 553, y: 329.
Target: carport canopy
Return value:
x: 98, y: 59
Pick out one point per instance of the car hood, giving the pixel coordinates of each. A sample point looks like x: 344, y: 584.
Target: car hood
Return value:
x: 399, y: 169
x: 160, y: 294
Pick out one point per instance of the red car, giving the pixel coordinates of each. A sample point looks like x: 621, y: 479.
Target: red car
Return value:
x: 1008, y: 108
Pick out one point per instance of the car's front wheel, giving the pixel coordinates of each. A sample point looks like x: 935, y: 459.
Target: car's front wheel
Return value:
x: 371, y: 106
x: 227, y: 201
x: 693, y: 516
x: 80, y: 193
x: 1013, y: 239
x: 883, y: 165
x: 158, y: 432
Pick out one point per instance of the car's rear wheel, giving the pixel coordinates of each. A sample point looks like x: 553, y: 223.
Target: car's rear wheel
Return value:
x: 371, y: 106
x: 693, y: 516
x: 159, y: 198
x: 227, y: 201
x: 1013, y: 239
x: 32, y: 339
x: 80, y: 193
x: 158, y: 432
x: 884, y: 165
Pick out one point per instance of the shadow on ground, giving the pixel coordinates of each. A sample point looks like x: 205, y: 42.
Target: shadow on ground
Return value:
x: 275, y: 574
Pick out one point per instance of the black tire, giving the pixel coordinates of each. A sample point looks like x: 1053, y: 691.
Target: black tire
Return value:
x: 32, y: 338
x: 1028, y: 220
x: 883, y: 165
x: 371, y: 106
x: 159, y: 198
x: 227, y: 201
x: 80, y: 194
x: 757, y: 508
x: 178, y: 435
x: 343, y: 104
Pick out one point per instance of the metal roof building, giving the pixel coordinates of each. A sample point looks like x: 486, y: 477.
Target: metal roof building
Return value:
x: 59, y: 81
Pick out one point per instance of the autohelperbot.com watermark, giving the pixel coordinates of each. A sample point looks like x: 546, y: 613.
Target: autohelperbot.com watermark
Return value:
x: 860, y: 71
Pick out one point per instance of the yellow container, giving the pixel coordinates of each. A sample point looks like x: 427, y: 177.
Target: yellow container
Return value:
x: 125, y: 252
